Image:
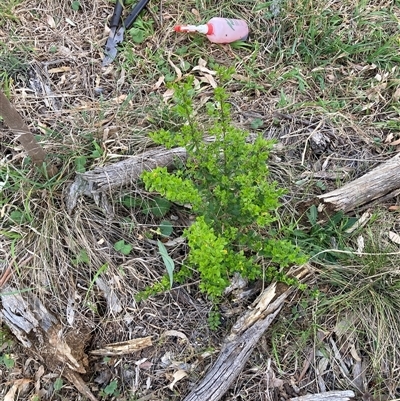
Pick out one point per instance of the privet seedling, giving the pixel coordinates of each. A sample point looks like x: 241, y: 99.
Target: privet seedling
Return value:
x: 227, y: 183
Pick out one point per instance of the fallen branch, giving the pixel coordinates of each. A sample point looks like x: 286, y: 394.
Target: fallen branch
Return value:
x: 379, y: 184
x: 103, y: 180
x: 25, y: 137
x: 239, y: 345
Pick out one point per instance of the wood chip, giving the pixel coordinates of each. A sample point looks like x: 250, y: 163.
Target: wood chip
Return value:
x: 124, y: 347
x: 394, y: 237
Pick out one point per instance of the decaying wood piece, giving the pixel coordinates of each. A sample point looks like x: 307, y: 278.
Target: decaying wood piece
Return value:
x: 378, y: 184
x: 327, y: 396
x: 124, y: 347
x: 239, y: 345
x: 103, y: 180
x: 25, y: 137
x: 42, y: 333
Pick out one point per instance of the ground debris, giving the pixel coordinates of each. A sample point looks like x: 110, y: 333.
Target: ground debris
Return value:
x: 42, y: 334
x: 239, y: 344
x: 327, y: 396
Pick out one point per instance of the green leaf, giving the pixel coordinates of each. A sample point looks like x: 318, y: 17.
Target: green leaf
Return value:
x: 257, y: 123
x: 17, y: 216
x: 96, y: 154
x: 82, y: 257
x: 169, y: 263
x: 130, y: 201
x: 166, y: 228
x: 185, y: 66
x: 58, y: 384
x: 336, y: 219
x: 98, y: 151
x: 214, y: 320
x: 137, y: 35
x: 75, y: 5
x: 158, y: 207
x: 111, y: 387
x: 169, y: 77
x: 8, y: 361
x: 121, y: 246
x: 312, y: 215
x: 80, y: 163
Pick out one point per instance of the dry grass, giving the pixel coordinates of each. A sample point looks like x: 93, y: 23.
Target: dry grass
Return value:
x: 290, y: 84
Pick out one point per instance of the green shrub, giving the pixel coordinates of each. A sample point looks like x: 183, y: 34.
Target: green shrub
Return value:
x: 226, y: 182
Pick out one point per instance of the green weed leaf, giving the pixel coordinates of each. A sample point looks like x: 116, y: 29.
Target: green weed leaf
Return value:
x: 111, y: 388
x: 130, y: 201
x: 214, y: 320
x: 158, y: 207
x: 75, y: 5
x: 17, y: 216
x: 137, y: 35
x: 169, y: 263
x: 98, y: 151
x: 257, y: 123
x: 166, y: 228
x: 312, y: 215
x: 80, y: 163
x: 121, y: 246
x: 82, y: 257
x: 8, y: 361
x: 58, y: 384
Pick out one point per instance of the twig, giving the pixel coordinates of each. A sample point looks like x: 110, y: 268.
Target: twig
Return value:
x: 8, y: 272
x: 27, y: 140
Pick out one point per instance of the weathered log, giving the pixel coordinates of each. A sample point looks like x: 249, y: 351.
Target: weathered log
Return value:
x: 239, y: 344
x: 103, y: 180
x: 380, y: 183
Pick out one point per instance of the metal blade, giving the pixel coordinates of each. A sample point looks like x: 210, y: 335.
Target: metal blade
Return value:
x: 119, y: 36
x: 111, y: 50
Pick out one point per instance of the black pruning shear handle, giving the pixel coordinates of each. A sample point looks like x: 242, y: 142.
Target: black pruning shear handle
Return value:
x: 116, y: 35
